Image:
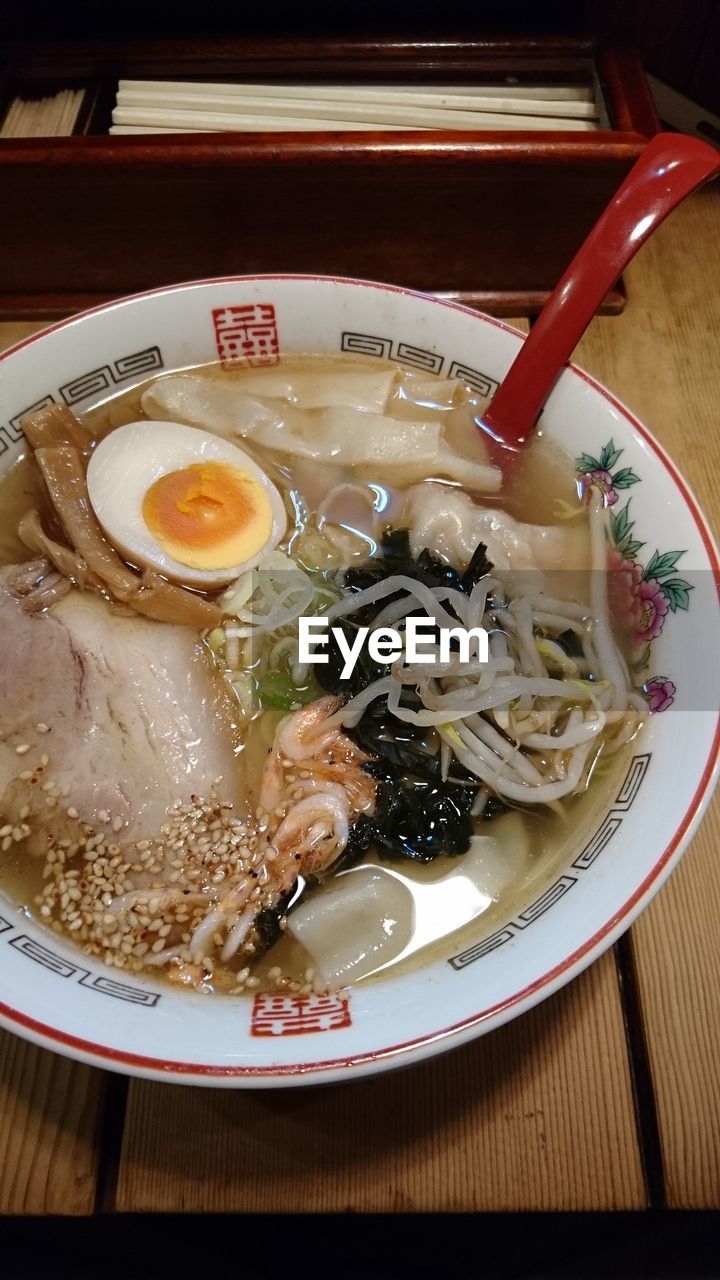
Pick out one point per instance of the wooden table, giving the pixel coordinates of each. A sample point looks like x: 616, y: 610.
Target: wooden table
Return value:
x: 605, y: 1097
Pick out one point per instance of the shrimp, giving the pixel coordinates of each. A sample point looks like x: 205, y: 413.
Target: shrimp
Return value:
x: 301, y: 735
x: 305, y: 755
x: 313, y: 788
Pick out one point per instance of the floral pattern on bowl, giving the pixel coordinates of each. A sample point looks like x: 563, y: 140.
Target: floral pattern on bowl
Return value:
x: 640, y: 597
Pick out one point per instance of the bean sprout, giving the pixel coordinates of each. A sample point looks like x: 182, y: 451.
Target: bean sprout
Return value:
x: 529, y: 722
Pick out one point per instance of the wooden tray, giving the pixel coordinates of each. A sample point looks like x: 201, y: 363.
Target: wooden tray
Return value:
x: 488, y: 218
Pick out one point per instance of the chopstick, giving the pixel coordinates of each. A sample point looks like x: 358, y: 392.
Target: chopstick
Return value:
x: 311, y: 101
x: 48, y: 117
x: 372, y: 92
x: 157, y: 128
x: 172, y: 106
x: 211, y: 122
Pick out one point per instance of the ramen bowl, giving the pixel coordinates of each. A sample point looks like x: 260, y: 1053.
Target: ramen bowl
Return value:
x: 60, y: 998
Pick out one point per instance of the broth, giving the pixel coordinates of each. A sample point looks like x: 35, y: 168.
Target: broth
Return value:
x: 544, y: 490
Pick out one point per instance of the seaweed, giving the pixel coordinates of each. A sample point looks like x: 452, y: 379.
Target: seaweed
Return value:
x: 418, y: 817
x: 493, y: 809
x: 360, y: 840
x: 405, y: 746
x: 570, y: 643
x: 478, y: 567
x: 419, y: 814
x: 267, y: 921
x: 395, y: 556
x: 364, y: 673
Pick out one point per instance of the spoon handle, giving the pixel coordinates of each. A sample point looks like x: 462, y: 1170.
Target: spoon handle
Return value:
x: 671, y: 166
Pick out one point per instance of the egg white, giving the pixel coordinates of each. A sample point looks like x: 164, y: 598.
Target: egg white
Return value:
x: 131, y: 458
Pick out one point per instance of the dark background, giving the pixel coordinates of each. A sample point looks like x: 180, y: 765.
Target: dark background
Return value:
x: 678, y: 40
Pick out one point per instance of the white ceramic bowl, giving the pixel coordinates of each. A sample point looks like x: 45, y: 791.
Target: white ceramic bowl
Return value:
x: 54, y: 995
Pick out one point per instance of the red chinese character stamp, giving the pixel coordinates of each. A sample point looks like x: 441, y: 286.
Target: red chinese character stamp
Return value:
x: 246, y: 334
x: 276, y: 1014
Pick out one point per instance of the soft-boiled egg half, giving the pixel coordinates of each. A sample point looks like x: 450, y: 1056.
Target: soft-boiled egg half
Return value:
x: 183, y: 501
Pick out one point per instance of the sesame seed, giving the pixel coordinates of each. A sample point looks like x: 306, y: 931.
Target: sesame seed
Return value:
x: 203, y: 853
x: 22, y: 749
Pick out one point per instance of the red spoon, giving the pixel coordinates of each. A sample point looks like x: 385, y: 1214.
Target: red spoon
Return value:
x: 671, y: 166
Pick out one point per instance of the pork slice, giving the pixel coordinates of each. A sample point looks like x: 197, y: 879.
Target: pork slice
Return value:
x: 137, y: 718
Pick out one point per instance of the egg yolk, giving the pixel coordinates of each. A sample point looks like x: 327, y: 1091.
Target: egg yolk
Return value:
x: 210, y: 515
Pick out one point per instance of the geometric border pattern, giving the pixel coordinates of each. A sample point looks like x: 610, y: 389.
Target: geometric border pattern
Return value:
x: 481, y: 949
x: 64, y: 968
x: 594, y: 847
x: 631, y: 785
x: 366, y: 344
x: 545, y: 901
x: 428, y: 361
x: 109, y: 375
x: 371, y: 344
x: 87, y: 384
x: 612, y: 822
x: 481, y: 382
x: 120, y: 990
x: 32, y: 408
x: 48, y: 959
x: 10, y: 434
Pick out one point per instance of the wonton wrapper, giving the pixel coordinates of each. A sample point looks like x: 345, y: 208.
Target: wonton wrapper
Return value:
x: 321, y: 388
x: 451, y: 525
x: 383, y: 447
x: 373, y: 915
